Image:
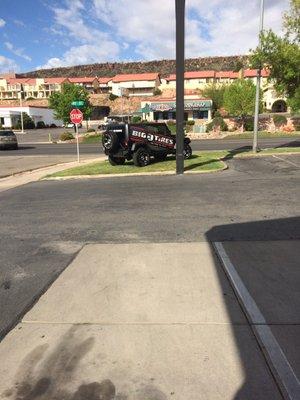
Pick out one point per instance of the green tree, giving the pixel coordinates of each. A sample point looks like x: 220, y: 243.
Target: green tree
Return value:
x: 239, y: 99
x: 61, y: 102
x: 291, y: 21
x: 28, y: 122
x: 215, y: 92
x: 281, y: 56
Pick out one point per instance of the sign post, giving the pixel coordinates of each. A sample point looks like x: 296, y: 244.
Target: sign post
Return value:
x: 76, y: 117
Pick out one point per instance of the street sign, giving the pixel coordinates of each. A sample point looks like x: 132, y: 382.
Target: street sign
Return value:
x: 78, y: 103
x: 76, y: 116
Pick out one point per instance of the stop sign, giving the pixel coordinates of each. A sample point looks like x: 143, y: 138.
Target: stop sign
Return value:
x: 76, y: 116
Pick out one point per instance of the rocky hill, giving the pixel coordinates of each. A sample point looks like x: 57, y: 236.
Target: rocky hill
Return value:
x: 164, y: 67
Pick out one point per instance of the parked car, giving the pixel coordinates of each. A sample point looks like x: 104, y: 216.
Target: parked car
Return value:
x: 140, y: 142
x: 71, y: 125
x: 8, y: 140
x: 109, y: 121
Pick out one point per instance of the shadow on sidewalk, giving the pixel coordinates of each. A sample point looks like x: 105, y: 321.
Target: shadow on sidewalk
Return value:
x: 285, y: 229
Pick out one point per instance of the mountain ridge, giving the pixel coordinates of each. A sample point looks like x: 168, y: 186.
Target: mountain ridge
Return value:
x: 164, y: 67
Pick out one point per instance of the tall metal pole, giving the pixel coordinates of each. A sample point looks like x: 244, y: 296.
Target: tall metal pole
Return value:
x: 21, y: 105
x: 258, y: 78
x: 180, y: 14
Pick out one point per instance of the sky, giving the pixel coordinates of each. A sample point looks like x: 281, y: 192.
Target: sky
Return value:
x: 52, y: 33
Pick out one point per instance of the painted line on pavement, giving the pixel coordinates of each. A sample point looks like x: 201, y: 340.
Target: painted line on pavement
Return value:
x: 287, y: 161
x: 276, y: 359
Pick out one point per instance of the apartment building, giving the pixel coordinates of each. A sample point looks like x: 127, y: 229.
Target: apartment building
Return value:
x: 144, y: 84
x: 91, y: 84
x: 192, y: 80
x: 135, y: 84
x: 37, y: 88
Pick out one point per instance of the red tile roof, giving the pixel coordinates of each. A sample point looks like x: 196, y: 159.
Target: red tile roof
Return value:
x: 193, y: 75
x: 252, y: 73
x: 55, y: 80
x: 227, y: 74
x: 135, y: 77
x: 104, y: 80
x: 13, y: 81
x: 199, y: 74
x: 82, y: 79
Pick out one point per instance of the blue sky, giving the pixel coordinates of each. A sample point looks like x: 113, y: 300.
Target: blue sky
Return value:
x: 45, y: 33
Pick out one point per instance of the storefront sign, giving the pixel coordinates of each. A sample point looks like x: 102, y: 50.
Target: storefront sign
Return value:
x: 188, y: 105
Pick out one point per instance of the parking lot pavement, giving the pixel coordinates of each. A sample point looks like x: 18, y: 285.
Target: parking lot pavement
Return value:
x: 43, y: 226
x: 266, y: 278
x: 137, y: 321
x: 43, y: 135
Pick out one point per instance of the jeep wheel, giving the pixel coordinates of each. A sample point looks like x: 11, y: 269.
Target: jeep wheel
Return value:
x: 141, y: 158
x: 116, y: 160
x: 187, y: 151
x: 160, y: 157
x: 110, y: 141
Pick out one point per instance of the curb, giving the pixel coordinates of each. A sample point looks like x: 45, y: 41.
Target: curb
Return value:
x: 158, y: 173
x: 256, y: 155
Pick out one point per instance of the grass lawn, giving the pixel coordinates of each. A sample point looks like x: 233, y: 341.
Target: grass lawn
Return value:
x: 92, y: 139
x: 202, y: 161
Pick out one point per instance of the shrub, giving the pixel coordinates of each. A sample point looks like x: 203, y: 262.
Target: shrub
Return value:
x: 249, y: 124
x: 171, y: 123
x: 40, y: 125
x: 53, y: 126
x: 279, y: 120
x: 190, y: 122
x: 90, y: 130
x: 30, y: 98
x: 136, y: 119
x: 215, y: 123
x: 112, y: 97
x: 297, y: 127
x: 157, y: 92
x: 28, y: 122
x: 66, y: 136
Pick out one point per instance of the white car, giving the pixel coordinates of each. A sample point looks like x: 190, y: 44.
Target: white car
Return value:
x: 71, y: 125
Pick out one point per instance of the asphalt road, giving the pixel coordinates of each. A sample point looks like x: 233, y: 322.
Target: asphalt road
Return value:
x: 44, y: 224
x: 207, y: 144
x: 38, y: 155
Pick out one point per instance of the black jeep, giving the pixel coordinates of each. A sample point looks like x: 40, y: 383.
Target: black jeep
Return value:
x: 139, y: 142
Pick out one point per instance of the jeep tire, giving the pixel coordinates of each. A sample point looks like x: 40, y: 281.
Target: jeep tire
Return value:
x: 141, y: 157
x: 187, y: 151
x: 110, y: 141
x: 116, y: 160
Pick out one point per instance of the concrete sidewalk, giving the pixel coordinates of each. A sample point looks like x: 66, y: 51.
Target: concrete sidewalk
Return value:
x: 36, y: 174
x: 136, y: 322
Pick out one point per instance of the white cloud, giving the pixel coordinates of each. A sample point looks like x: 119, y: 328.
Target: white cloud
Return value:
x: 7, y: 64
x: 2, y: 23
x: 94, y: 45
x: 146, y: 29
x: 17, y: 52
x: 19, y: 23
x: 84, y: 54
x: 215, y: 27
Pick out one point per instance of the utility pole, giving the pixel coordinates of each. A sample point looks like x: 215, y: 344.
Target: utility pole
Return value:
x: 180, y: 15
x: 258, y: 78
x: 21, y: 105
